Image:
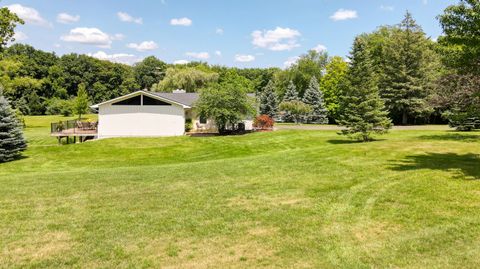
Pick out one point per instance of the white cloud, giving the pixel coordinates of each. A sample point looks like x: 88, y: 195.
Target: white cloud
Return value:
x: 290, y: 61
x: 123, y: 58
x: 181, y: 21
x: 66, y: 18
x: 344, y: 14
x: 198, y: 55
x: 144, y: 46
x: 218, y: 53
x: 20, y: 36
x: 125, y: 17
x: 181, y: 62
x: 276, y: 40
x: 320, y: 48
x: 219, y: 31
x: 28, y: 14
x: 244, y: 58
x: 89, y: 36
x: 118, y: 37
x: 387, y: 8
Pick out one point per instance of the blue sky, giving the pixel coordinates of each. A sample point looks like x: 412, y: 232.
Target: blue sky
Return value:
x: 243, y: 33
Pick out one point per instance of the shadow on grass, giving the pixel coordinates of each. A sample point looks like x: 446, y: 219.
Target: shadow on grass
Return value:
x: 351, y: 141
x: 467, y: 165
x: 454, y: 136
x: 17, y: 158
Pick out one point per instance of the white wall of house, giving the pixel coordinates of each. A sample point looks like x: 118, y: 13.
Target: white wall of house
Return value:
x: 138, y: 121
x: 210, y: 125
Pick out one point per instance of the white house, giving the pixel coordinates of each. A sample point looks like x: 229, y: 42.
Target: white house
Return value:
x: 144, y: 113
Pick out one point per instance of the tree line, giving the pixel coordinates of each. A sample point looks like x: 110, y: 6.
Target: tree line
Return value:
x: 418, y: 80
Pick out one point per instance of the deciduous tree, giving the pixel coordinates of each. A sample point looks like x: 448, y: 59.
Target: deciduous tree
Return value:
x: 331, y: 82
x: 81, y: 101
x: 226, y: 103
x: 8, y: 22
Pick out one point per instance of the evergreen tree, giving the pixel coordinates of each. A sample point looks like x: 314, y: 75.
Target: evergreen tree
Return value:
x: 12, y: 142
x: 269, y: 101
x: 81, y: 102
x: 362, y: 109
x: 290, y: 95
x: 314, y: 97
x: 405, y: 77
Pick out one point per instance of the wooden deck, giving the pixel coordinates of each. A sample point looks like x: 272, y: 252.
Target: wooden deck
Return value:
x: 73, y: 128
x: 75, y: 132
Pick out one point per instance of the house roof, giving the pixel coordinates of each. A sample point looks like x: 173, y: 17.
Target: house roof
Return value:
x: 186, y: 99
x: 147, y: 93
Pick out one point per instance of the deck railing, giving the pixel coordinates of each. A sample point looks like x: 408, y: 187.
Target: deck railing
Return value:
x: 73, y: 127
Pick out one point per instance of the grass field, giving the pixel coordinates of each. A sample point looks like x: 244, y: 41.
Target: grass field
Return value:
x: 286, y: 199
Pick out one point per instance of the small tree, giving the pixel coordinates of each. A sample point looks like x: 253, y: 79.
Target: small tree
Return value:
x: 290, y: 95
x: 81, y: 102
x: 12, y: 142
x: 296, y: 109
x: 314, y: 97
x: 269, y: 101
x: 226, y: 103
x: 362, y: 109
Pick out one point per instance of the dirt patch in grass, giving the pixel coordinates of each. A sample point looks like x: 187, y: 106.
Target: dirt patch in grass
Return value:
x: 208, y: 253
x: 252, y: 203
x: 37, y: 248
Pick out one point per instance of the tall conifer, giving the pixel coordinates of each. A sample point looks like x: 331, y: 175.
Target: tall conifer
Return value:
x: 314, y: 97
x: 362, y: 109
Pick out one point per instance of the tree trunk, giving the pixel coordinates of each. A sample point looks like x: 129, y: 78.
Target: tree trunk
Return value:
x: 404, y: 118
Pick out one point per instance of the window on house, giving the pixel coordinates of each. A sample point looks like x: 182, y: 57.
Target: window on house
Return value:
x: 148, y: 101
x: 203, y: 119
x: 134, y: 101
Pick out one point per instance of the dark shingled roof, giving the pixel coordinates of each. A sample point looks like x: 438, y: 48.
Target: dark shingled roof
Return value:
x: 186, y: 98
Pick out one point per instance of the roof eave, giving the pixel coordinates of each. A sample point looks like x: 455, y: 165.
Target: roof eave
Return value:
x: 96, y: 106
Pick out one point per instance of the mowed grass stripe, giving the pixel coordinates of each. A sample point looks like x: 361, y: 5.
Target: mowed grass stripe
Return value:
x: 288, y: 199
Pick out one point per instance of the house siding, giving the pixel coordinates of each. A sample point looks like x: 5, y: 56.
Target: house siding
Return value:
x: 138, y: 121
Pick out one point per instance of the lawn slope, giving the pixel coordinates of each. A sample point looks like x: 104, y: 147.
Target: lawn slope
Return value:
x: 286, y: 199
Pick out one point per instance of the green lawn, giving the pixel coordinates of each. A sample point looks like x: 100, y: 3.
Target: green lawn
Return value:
x: 289, y: 199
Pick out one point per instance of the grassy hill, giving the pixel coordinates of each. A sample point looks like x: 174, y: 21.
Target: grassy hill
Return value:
x: 290, y: 199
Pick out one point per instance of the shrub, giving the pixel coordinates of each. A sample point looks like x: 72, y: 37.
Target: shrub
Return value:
x: 188, y: 125
x: 263, y: 122
x: 296, y: 109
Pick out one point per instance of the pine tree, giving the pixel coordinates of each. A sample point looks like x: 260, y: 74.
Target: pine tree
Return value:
x: 404, y: 84
x: 362, y: 109
x: 12, y: 142
x: 290, y: 95
x: 269, y: 101
x: 314, y: 97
